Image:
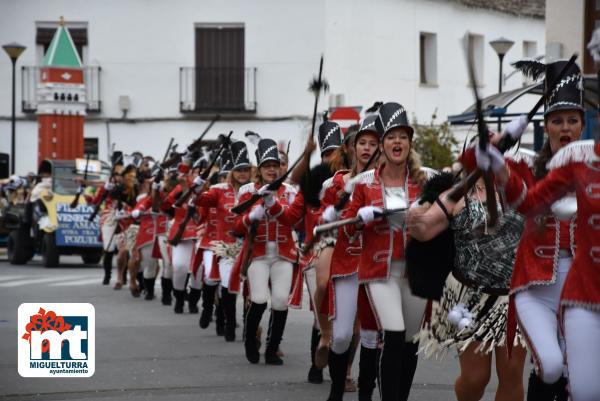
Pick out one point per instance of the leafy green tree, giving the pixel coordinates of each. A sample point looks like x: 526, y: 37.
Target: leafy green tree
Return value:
x: 434, y: 143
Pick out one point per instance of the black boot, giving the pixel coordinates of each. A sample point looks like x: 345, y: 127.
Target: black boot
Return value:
x: 166, y: 284
x: 220, y: 318
x: 253, y: 316
x: 560, y: 389
x: 338, y: 365
x: 149, y: 288
x: 107, y: 264
x: 228, y: 301
x: 208, y: 300
x: 139, y: 277
x: 540, y: 391
x: 315, y: 375
x: 391, y: 363
x: 409, y: 366
x: 367, y: 373
x: 275, y: 334
x: 193, y: 298
x: 179, y: 300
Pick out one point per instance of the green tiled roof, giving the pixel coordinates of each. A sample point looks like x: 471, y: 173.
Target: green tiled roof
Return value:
x: 62, y: 51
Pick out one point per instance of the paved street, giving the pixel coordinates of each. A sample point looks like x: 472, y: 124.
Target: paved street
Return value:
x: 145, y: 351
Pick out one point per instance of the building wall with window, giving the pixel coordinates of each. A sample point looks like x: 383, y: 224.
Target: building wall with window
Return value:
x: 147, y: 57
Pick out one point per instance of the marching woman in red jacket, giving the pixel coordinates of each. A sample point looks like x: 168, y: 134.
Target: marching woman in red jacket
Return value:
x: 153, y: 223
x: 574, y: 279
x: 396, y: 183
x: 343, y: 284
x: 546, y: 249
x: 222, y: 197
x: 272, y: 255
x: 182, y: 251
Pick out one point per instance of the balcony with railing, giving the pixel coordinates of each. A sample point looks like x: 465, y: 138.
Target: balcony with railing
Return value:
x: 217, y: 90
x: 30, y: 77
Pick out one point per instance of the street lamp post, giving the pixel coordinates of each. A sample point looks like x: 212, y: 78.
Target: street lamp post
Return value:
x: 501, y: 47
x: 13, y: 50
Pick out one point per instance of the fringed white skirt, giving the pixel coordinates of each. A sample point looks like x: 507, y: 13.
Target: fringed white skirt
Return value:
x: 464, y: 316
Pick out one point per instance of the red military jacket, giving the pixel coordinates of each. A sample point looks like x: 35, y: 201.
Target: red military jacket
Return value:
x: 544, y: 235
x: 574, y: 168
x: 150, y: 226
x: 348, y: 248
x: 269, y: 229
x: 380, y: 243
x: 179, y: 214
x: 220, y: 198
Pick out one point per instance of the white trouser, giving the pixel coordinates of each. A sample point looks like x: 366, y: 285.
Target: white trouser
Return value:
x: 582, y: 336
x: 207, y: 266
x: 107, y: 235
x: 278, y: 271
x: 148, y: 264
x: 167, y: 266
x: 397, y: 309
x: 310, y: 276
x: 182, y: 256
x: 369, y: 338
x: 342, y: 326
x: 537, y: 308
x: 225, y: 266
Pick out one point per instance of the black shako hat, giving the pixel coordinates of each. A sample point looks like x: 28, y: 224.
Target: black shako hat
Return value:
x: 566, y: 94
x: 393, y: 115
x: 330, y: 136
x: 239, y: 155
x: 370, y: 124
x: 225, y: 162
x: 267, y: 150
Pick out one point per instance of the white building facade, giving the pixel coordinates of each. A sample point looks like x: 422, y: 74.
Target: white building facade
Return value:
x: 162, y: 69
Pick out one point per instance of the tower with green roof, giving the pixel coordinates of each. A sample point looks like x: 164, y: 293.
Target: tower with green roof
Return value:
x: 61, y: 100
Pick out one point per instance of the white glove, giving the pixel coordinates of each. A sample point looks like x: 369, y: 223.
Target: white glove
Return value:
x: 109, y: 186
x: 156, y: 186
x: 80, y: 190
x: 516, y: 127
x: 330, y: 214
x: 489, y: 158
x: 267, y: 194
x: 120, y: 213
x: 135, y: 214
x: 187, y: 158
x: 199, y: 182
x: 257, y: 213
x: 367, y: 213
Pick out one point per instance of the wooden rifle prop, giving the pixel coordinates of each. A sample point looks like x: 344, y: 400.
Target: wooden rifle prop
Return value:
x: 507, y: 142
x: 191, y: 209
x: 334, y: 225
x: 158, y: 177
x: 316, y: 86
x: 225, y: 143
x: 193, y: 147
x: 81, y: 188
x: 246, y: 257
x: 105, y: 193
x: 484, y: 140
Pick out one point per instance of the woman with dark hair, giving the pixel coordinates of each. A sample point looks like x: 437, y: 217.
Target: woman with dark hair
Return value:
x: 560, y: 277
x: 546, y: 249
x: 271, y: 257
x: 125, y: 195
x: 395, y: 184
x: 222, y: 197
